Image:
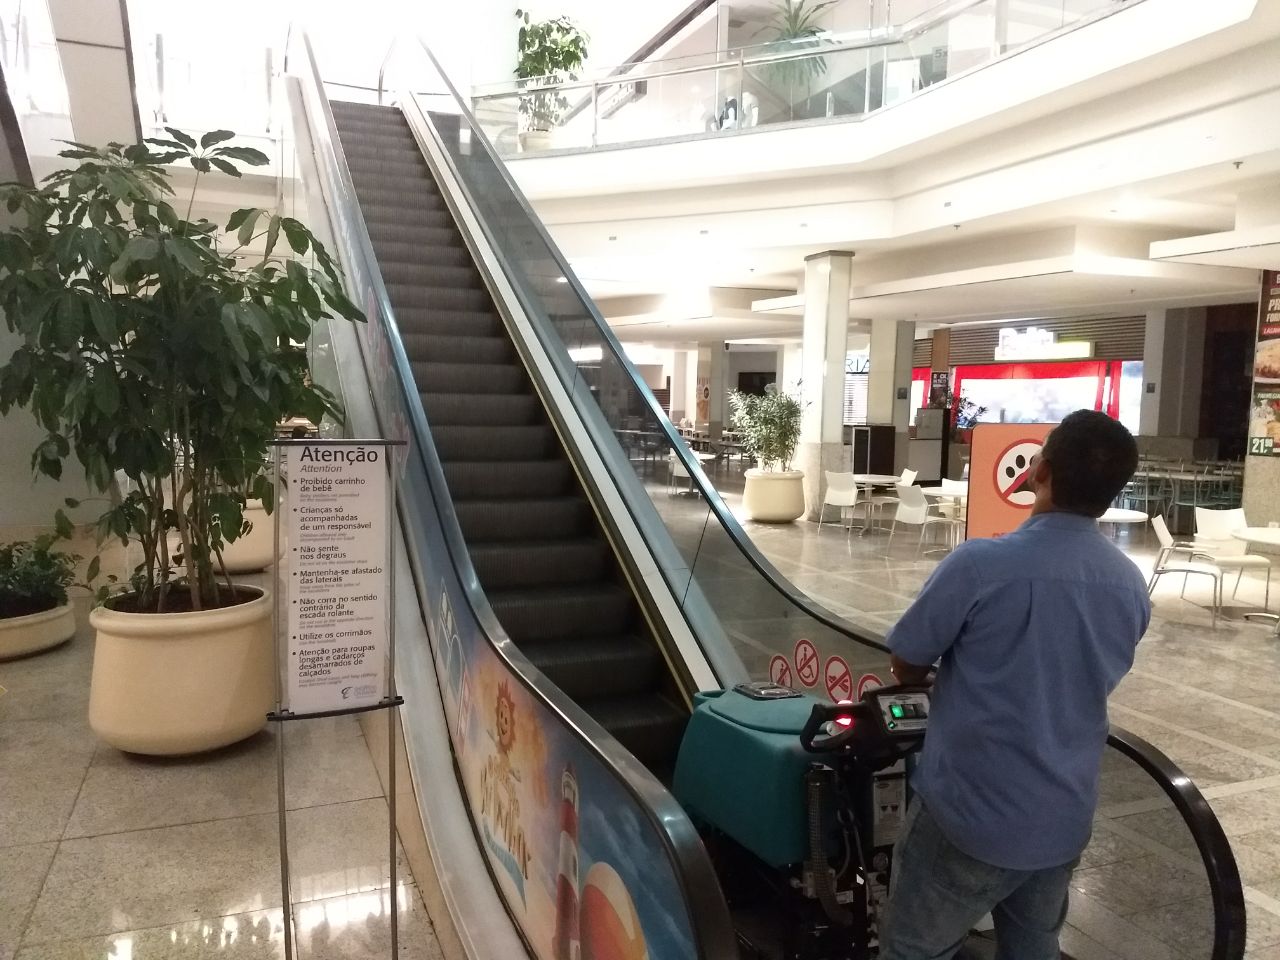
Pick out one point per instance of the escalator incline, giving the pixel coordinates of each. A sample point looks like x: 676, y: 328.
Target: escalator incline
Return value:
x: 537, y: 548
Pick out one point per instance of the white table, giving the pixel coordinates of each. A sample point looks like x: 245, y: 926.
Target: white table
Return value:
x: 877, y: 479
x: 1119, y: 515
x: 956, y: 494
x: 1268, y: 536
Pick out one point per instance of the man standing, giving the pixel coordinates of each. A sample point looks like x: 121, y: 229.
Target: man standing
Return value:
x: 1034, y: 630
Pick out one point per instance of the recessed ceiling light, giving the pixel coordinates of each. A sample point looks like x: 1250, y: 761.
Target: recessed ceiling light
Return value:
x: 562, y: 279
x: 613, y: 236
x: 804, y: 224
x: 703, y: 232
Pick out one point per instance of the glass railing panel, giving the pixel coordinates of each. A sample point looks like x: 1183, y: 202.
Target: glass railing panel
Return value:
x: 36, y: 86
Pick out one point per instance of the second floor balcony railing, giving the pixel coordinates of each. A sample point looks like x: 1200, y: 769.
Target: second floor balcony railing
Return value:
x: 818, y: 79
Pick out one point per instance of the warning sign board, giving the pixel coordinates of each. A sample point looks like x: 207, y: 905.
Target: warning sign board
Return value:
x: 1000, y: 496
x: 839, y: 679
x: 868, y: 681
x: 780, y: 671
x: 807, y: 663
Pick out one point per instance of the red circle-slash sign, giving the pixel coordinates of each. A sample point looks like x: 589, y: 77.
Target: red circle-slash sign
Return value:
x: 807, y: 664
x: 780, y: 671
x: 1012, y: 471
x: 839, y: 680
x: 868, y: 681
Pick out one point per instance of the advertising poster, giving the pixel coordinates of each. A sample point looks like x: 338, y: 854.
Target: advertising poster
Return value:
x: 336, y: 525
x: 1264, y: 418
x: 999, y: 467
x: 581, y: 868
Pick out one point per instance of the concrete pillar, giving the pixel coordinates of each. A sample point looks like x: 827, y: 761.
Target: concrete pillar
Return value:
x: 713, y: 365
x: 681, y: 385
x: 93, y: 46
x: 790, y: 367
x: 889, y: 381
x: 824, y: 343
x: 1172, y: 373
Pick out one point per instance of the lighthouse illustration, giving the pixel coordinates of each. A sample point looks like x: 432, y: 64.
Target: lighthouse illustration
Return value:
x: 567, y: 944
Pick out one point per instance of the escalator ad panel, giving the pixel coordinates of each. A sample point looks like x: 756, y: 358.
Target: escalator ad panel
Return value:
x: 578, y: 864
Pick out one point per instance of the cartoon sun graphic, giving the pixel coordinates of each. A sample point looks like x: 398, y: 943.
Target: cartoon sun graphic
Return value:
x: 506, y: 718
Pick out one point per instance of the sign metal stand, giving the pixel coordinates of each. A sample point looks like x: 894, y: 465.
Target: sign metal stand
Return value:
x: 389, y: 700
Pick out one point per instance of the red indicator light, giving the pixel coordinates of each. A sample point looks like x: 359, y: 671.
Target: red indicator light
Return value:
x: 845, y: 721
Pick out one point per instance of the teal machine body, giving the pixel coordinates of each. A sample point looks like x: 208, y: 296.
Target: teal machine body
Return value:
x: 742, y: 768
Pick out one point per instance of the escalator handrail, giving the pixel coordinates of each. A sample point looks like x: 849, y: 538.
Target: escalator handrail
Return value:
x: 708, y: 917
x: 677, y: 444
x: 1223, y: 873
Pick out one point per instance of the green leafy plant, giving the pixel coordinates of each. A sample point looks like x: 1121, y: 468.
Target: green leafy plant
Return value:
x: 149, y: 353
x: 795, y: 29
x: 550, y: 51
x: 33, y: 577
x: 769, y: 424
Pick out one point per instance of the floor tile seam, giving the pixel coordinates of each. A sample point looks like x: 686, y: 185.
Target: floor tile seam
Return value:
x: 1188, y: 688
x: 44, y: 880
x: 274, y: 812
x: 1197, y: 735
x: 403, y: 885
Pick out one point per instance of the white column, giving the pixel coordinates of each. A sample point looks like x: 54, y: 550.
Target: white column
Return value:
x: 713, y: 362
x: 825, y: 341
x: 680, y: 384
x: 889, y: 381
x: 95, y: 63
x: 1172, y: 373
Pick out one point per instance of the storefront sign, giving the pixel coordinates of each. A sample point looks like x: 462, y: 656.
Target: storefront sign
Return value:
x: 999, y: 467
x: 1036, y: 343
x: 336, y: 524
x: 1264, y: 419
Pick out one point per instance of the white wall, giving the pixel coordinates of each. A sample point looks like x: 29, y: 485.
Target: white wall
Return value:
x: 750, y: 361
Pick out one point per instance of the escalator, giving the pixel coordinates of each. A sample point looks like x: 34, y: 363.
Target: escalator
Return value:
x: 541, y: 557
x: 571, y: 609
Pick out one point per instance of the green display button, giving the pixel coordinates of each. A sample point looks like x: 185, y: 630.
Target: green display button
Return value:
x: 897, y: 711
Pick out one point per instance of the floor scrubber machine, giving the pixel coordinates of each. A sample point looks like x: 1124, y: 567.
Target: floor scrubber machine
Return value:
x: 800, y: 802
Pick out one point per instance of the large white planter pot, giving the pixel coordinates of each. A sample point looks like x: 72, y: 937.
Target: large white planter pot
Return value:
x: 36, y: 631
x: 254, y: 550
x: 774, y: 496
x: 174, y: 683
x: 534, y: 141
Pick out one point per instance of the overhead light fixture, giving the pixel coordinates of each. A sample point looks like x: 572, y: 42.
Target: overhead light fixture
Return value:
x: 613, y: 236
x: 562, y: 279
x: 703, y: 232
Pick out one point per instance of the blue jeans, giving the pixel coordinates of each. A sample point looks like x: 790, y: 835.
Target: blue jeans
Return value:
x: 938, y: 893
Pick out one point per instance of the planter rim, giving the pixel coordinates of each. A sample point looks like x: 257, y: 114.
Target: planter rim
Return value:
x: 27, y: 619
x: 164, y: 624
x: 755, y: 473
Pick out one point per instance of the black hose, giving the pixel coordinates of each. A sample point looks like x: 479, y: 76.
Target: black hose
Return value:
x: 818, y: 786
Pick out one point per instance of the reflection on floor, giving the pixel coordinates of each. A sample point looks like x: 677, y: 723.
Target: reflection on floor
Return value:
x: 105, y: 856
x: 1209, y: 698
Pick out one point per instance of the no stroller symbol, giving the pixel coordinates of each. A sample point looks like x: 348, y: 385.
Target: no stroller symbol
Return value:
x: 780, y: 671
x: 807, y: 666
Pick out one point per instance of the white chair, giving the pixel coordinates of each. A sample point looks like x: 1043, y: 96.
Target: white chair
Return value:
x: 675, y: 470
x: 1168, y: 548
x: 880, y: 501
x: 1214, y: 544
x: 913, y: 510
x: 953, y: 507
x: 841, y: 492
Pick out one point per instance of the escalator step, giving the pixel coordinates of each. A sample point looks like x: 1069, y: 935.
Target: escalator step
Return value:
x: 485, y: 521
x: 432, y: 348
x: 419, y: 234
x: 477, y: 444
x: 450, y: 254
x: 498, y: 409
x: 431, y: 275
x: 443, y: 297
x: 381, y: 184
x: 409, y: 196
x: 407, y: 216
x: 515, y: 565
x: 598, y: 609
x: 472, y: 378
x: 649, y: 725
x: 598, y: 667
x: 490, y: 481
x: 451, y: 323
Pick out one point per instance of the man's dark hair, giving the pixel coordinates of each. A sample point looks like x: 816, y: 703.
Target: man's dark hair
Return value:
x: 1092, y: 457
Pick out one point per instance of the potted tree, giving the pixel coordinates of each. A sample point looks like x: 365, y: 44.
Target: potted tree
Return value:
x: 770, y: 428
x: 795, y: 31
x: 163, y: 363
x: 549, y: 52
x: 34, y: 611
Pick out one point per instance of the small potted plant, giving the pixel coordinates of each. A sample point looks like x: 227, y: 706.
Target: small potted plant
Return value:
x: 550, y: 52
x: 770, y: 427
x: 34, y: 611
x: 164, y: 363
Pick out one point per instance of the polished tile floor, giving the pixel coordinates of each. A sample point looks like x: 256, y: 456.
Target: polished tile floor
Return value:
x: 106, y: 856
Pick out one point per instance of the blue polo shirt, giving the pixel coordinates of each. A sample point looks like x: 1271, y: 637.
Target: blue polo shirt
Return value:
x: 1034, y: 630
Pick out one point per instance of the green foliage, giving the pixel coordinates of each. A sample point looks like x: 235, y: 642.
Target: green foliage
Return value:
x: 550, y: 51
x: 146, y: 351
x: 794, y: 29
x: 33, y: 578
x: 769, y: 423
